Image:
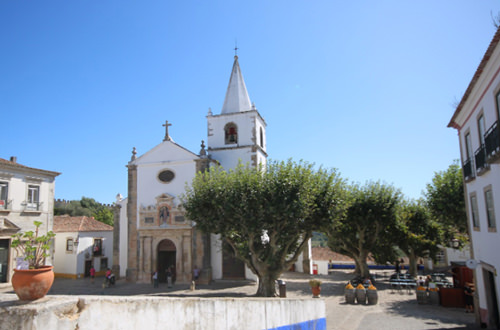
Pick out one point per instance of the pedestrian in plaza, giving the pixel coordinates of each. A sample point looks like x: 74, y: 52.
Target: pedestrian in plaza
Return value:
x: 168, y: 273
x: 196, y: 273
x: 92, y: 274
x: 155, y: 279
x: 469, y: 297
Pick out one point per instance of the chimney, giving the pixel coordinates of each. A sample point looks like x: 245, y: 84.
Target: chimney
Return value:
x: 13, y: 159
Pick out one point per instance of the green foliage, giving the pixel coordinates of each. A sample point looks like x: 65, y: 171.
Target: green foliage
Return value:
x: 32, y: 246
x: 420, y: 234
x: 266, y: 215
x: 105, y: 215
x: 319, y: 240
x: 88, y: 207
x: 445, y: 200
x: 369, y: 225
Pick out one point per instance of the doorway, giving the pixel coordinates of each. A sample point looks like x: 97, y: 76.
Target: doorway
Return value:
x: 4, y: 259
x: 491, y: 299
x: 88, y: 264
x: 232, y: 268
x: 166, y: 258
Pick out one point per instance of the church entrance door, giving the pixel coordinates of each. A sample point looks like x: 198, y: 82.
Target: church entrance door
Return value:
x: 166, y: 258
x: 232, y: 268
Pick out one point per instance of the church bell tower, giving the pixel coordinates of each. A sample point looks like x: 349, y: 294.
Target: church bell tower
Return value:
x: 238, y: 133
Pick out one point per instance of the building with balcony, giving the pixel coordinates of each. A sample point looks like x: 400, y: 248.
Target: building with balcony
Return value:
x: 81, y: 242
x: 476, y: 120
x: 26, y: 195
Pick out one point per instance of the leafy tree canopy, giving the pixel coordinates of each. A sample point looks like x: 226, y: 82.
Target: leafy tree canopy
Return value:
x: 420, y: 235
x: 85, y: 207
x: 266, y: 215
x: 369, y: 226
x: 445, y: 199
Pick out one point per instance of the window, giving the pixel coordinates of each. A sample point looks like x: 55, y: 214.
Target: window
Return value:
x: 468, y: 146
x: 69, y: 245
x: 498, y: 104
x: 166, y: 176
x: 261, y: 138
x: 97, y: 247
x: 480, y: 128
x: 231, y: 133
x: 104, y: 263
x: 490, y: 211
x: 474, y: 212
x: 4, y: 194
x: 33, y: 197
x: 440, y: 257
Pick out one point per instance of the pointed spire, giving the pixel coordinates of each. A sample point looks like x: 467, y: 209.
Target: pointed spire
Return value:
x: 237, y: 99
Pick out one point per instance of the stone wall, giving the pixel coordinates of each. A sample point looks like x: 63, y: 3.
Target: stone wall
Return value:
x: 93, y: 312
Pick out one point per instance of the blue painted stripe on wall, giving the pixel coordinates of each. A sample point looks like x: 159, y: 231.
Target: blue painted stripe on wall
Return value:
x: 318, y: 324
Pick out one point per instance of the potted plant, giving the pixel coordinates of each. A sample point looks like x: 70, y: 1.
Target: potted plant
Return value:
x: 315, y: 287
x: 33, y: 279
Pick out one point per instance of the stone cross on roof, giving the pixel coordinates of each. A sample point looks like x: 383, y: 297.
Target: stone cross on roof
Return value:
x: 166, y: 125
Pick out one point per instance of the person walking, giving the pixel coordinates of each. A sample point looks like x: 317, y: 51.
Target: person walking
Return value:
x: 169, y: 277
x: 196, y: 273
x: 469, y: 297
x: 92, y: 274
x: 155, y: 279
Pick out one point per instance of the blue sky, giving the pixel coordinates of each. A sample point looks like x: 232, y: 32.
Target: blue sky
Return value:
x: 367, y: 87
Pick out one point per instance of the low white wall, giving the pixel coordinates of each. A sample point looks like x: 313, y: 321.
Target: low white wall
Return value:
x: 93, y: 312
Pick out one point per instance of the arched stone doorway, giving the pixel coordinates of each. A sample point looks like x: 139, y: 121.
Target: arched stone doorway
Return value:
x: 166, y: 257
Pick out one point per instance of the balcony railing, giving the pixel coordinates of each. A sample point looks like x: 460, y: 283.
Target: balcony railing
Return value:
x: 468, y: 170
x: 5, y: 205
x: 492, y: 143
x: 32, y: 206
x: 480, y: 158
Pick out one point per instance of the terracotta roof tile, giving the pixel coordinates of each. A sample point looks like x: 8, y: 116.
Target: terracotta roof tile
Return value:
x: 65, y: 223
x: 15, y: 164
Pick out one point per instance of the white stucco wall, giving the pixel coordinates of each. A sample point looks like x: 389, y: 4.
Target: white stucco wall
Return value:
x: 73, y: 263
x: 92, y: 312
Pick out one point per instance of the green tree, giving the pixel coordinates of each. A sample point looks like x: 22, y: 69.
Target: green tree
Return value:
x: 420, y: 234
x: 105, y: 215
x: 88, y: 207
x: 266, y: 215
x: 445, y: 199
x: 368, y: 227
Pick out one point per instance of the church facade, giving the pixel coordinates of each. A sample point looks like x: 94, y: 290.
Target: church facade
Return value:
x: 151, y: 230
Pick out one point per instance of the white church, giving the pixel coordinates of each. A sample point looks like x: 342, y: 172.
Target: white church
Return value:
x: 151, y: 231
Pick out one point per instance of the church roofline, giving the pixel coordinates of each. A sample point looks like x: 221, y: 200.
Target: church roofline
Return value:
x: 135, y: 161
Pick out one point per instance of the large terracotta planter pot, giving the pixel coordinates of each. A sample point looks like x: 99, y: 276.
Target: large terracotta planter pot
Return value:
x: 31, y: 284
x: 316, y: 290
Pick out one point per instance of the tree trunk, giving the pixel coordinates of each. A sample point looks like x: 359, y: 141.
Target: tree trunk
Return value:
x: 357, y: 269
x: 267, y: 286
x: 412, y: 267
x: 364, y: 271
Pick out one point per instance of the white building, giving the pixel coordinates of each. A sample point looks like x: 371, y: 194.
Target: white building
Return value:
x: 81, y: 242
x: 152, y: 231
x: 476, y: 119
x: 26, y: 195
